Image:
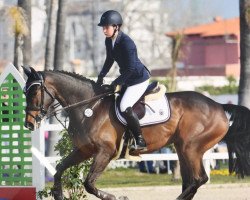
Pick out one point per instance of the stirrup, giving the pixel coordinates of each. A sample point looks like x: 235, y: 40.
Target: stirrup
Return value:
x: 135, y: 146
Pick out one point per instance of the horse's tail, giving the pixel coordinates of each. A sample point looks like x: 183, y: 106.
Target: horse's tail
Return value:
x: 238, y: 139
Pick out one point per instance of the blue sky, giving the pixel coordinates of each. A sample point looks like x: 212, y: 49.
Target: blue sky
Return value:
x: 184, y: 13
x: 225, y: 8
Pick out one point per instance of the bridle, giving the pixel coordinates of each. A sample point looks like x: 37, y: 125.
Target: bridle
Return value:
x: 41, y: 107
x: 44, y: 112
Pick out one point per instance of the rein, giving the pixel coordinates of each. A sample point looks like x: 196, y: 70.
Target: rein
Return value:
x: 72, y: 106
x: 80, y: 103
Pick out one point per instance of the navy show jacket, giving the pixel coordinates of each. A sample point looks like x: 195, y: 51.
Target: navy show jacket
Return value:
x: 125, y: 54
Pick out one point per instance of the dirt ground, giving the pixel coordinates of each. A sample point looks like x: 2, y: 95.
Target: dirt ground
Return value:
x: 206, y: 192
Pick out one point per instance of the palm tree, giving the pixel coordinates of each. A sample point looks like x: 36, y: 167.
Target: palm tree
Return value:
x: 20, y: 29
x: 244, y: 89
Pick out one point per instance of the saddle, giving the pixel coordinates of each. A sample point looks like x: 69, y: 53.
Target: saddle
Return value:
x: 153, y: 91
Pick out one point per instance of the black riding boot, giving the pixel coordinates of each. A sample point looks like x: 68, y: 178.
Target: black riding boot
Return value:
x: 134, y: 126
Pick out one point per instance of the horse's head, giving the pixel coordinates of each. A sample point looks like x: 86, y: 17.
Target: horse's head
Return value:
x: 38, y: 98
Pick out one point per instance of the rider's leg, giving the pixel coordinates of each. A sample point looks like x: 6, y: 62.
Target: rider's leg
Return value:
x: 131, y: 96
x: 134, y: 126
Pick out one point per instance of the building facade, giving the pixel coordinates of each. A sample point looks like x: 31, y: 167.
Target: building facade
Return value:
x: 210, y: 49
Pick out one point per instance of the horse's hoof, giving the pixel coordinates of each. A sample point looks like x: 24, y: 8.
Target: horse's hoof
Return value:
x: 123, y: 198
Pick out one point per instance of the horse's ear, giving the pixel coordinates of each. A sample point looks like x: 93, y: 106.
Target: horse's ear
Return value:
x: 27, y: 70
x: 35, y: 74
x: 31, y: 72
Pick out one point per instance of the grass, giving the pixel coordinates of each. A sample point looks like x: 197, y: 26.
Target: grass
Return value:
x: 121, y: 177
x: 130, y: 177
x: 221, y: 179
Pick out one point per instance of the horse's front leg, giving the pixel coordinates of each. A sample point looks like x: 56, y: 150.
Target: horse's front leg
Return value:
x: 101, y: 161
x: 74, y: 158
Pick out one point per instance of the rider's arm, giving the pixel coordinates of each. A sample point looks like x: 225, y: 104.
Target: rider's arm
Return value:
x: 108, y: 62
x: 130, y: 55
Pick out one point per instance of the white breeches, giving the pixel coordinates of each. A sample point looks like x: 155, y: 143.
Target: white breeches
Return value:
x: 133, y: 94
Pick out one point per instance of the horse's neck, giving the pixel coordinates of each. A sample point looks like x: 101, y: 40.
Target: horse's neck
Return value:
x: 69, y: 91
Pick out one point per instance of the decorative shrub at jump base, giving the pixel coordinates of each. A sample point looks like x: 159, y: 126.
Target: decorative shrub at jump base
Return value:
x: 73, y: 178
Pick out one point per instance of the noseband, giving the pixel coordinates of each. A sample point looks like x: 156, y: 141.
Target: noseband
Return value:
x: 40, y: 108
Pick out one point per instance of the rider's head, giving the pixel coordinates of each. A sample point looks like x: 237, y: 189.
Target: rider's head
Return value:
x: 110, y: 21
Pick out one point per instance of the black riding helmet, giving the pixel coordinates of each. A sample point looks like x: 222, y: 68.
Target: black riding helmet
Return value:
x: 110, y: 17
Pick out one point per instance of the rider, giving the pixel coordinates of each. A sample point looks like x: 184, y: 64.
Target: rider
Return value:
x: 134, y: 75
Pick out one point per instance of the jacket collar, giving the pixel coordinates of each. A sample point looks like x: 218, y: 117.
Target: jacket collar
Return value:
x: 118, y: 38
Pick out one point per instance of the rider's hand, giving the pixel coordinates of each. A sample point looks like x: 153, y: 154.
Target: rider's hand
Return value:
x: 99, y: 80
x: 113, y: 85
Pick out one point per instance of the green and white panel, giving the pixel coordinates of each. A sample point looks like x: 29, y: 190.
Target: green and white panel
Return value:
x: 15, y: 139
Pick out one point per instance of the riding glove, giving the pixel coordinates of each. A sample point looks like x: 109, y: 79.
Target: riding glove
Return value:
x: 113, y: 83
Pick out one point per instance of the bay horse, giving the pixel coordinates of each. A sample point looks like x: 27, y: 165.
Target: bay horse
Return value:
x: 196, y: 124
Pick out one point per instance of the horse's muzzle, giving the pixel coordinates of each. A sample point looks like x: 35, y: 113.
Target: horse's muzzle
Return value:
x: 29, y: 126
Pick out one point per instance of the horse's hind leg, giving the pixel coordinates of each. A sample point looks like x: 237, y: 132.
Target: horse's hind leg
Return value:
x: 74, y: 158
x: 193, y: 173
x: 100, y: 162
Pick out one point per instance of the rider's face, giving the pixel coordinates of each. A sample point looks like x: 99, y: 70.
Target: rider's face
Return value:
x: 108, y: 31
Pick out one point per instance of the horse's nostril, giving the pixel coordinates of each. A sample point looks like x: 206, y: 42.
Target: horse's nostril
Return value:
x: 29, y: 126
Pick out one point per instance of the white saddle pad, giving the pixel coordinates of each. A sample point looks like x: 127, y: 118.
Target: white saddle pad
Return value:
x: 159, y: 113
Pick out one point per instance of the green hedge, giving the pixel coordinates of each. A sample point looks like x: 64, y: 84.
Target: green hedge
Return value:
x: 231, y: 88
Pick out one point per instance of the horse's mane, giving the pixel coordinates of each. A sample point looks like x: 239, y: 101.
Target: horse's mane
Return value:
x: 75, y: 75
x: 97, y: 88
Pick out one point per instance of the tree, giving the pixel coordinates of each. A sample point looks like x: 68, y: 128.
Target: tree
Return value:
x: 244, y: 87
x: 60, y: 35
x: 27, y: 47
x: 58, y: 57
x: 94, y: 5
x: 52, y: 6
x: 73, y: 178
x: 51, y: 32
x: 175, y: 56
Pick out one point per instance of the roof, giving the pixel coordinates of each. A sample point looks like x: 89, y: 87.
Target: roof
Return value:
x: 218, y: 27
